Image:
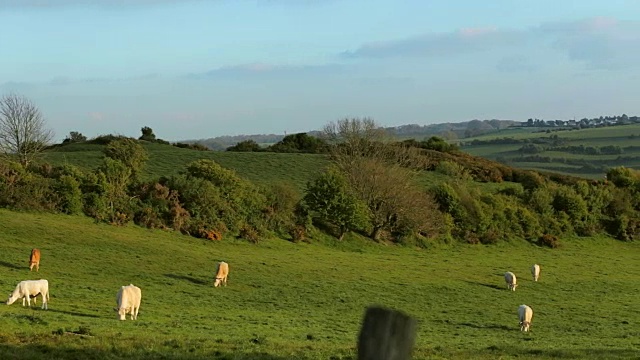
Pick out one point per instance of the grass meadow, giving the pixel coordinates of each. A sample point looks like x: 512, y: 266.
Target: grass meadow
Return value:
x: 259, y: 167
x: 306, y: 301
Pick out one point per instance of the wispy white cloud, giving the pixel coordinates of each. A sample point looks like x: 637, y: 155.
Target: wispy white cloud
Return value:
x: 268, y: 70
x: 458, y: 42
x: 64, y: 80
x: 15, y: 86
x: 600, y: 43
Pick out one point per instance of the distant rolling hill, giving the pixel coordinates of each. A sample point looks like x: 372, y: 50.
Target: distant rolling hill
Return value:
x: 585, y: 153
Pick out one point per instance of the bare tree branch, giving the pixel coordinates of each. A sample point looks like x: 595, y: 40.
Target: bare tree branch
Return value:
x: 22, y: 128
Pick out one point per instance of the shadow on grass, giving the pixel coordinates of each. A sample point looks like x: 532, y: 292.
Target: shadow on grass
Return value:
x: 188, y: 278
x: 489, y: 326
x: 41, y: 351
x: 12, y: 266
x: 490, y: 286
x: 73, y: 313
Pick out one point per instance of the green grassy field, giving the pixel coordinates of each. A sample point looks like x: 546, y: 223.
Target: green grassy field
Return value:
x: 306, y: 301
x: 164, y: 160
x: 625, y: 136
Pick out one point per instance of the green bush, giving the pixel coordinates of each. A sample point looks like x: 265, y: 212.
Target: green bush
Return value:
x: 453, y: 169
x: 333, y: 202
x: 69, y: 195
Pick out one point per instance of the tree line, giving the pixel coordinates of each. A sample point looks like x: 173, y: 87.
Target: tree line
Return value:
x: 372, y: 188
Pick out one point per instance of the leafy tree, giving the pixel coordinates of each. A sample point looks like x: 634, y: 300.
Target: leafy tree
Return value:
x: 23, y: 131
x: 330, y: 197
x: 439, y: 144
x: 74, y: 137
x: 130, y: 153
x: 147, y: 134
x: 300, y: 142
x: 245, y: 146
x: 623, y: 177
x: 68, y: 190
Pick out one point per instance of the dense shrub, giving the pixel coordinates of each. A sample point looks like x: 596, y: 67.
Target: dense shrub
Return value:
x: 453, y: 169
x: 67, y: 188
x: 196, y: 146
x: 246, y: 146
x: 548, y: 240
x: 281, y: 204
x: 332, y: 200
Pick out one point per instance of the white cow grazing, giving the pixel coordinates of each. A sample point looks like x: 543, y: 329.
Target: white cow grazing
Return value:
x: 31, y: 288
x: 525, y: 314
x: 221, y: 274
x: 510, y: 279
x: 128, y: 300
x: 535, y: 271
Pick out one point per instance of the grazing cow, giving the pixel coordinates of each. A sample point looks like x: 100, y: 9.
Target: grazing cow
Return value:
x: 510, y: 279
x: 128, y: 301
x: 535, y: 271
x: 30, y: 289
x: 525, y: 314
x: 34, y: 259
x: 221, y: 274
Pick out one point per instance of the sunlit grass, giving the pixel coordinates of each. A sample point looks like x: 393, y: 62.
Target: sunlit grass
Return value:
x: 291, y: 301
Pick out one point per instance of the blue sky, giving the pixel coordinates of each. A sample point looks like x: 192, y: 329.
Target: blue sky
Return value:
x: 195, y: 69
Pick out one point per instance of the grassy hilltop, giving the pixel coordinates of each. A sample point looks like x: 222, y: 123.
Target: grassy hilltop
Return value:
x: 164, y: 160
x: 305, y: 301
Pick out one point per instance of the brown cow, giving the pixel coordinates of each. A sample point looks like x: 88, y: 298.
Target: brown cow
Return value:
x: 34, y: 259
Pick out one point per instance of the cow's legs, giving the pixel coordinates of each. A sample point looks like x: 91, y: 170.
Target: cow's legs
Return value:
x: 28, y: 300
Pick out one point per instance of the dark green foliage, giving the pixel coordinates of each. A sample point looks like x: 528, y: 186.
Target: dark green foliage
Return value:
x: 106, y: 139
x: 282, y: 199
x: 530, y: 180
x: 300, y: 143
x: 246, y: 146
x: 130, y: 153
x: 70, y: 196
x: 74, y: 137
x: 24, y: 190
x: 331, y: 199
x: 204, y: 202
x: 435, y: 143
x: 623, y: 177
x: 196, y: 146
x: 147, y: 134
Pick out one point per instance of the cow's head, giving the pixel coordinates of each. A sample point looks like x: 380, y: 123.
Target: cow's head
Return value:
x: 524, y: 326
x: 11, y: 299
x: 217, y: 282
x: 513, y: 287
x: 121, y: 313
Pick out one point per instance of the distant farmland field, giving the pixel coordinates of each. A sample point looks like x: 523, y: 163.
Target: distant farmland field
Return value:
x: 586, y: 152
